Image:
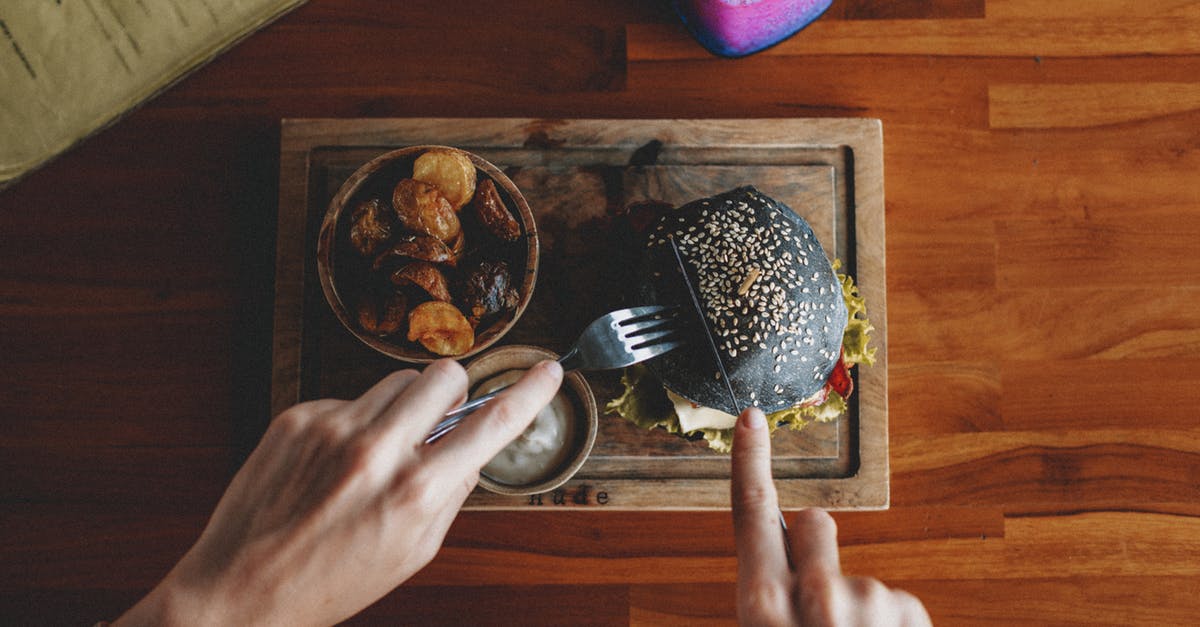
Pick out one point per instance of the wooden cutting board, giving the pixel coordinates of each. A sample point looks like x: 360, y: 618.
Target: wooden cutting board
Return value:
x: 575, y: 174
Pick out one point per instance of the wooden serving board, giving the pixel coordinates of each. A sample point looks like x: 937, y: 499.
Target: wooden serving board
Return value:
x: 575, y: 174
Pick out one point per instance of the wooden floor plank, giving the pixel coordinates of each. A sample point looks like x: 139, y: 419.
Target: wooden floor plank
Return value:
x: 1083, y: 601
x: 944, y: 397
x: 1034, y: 470
x: 97, y: 546
x: 460, y: 567
x: 1102, y: 253
x: 1087, y: 104
x: 116, y: 374
x: 1013, y: 37
x: 931, y: 452
x: 1104, y: 394
x: 187, y: 478
x: 906, y: 9
x: 568, y: 58
x: 1045, y: 324
x: 1049, y: 175
x: 598, y: 533
x: 1083, y: 545
x: 703, y: 605
x: 1119, y: 9
x: 501, y: 605
x: 65, y: 606
x: 918, y: 523
x: 943, y: 256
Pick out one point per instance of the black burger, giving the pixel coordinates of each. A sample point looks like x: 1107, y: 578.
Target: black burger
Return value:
x: 787, y: 325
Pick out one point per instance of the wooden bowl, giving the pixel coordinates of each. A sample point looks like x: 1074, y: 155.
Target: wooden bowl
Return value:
x: 340, y: 269
x: 577, y: 390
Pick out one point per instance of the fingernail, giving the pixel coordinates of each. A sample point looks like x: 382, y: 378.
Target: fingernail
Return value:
x: 753, y: 418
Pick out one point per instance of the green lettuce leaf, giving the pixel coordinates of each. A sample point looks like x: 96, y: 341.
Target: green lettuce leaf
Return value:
x: 828, y: 411
x: 644, y: 402
x: 858, y: 328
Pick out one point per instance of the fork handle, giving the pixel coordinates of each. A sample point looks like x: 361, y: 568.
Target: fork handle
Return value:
x: 475, y: 403
x: 455, y: 416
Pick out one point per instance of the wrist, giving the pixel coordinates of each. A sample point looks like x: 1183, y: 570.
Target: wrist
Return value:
x: 172, y: 603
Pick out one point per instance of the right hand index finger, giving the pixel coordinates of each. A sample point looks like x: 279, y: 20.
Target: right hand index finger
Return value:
x: 755, y: 504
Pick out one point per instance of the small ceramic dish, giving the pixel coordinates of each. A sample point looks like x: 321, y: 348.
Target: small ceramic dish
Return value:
x: 579, y: 435
x: 347, y: 277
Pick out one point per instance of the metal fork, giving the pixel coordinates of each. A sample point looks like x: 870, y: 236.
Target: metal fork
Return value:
x: 621, y: 338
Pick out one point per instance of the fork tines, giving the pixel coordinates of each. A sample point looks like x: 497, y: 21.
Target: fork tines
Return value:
x: 651, y: 326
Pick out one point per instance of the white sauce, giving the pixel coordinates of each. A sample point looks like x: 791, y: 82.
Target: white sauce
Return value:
x: 541, y: 448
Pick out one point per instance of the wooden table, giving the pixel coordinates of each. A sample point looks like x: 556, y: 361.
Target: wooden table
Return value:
x: 1043, y: 217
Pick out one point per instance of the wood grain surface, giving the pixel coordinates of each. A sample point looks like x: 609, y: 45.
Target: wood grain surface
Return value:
x: 1043, y: 200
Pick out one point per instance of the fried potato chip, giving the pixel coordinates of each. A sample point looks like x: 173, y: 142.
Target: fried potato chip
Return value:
x: 441, y: 328
x: 422, y: 208
x: 494, y: 215
x: 383, y: 318
x: 488, y: 290
x: 370, y: 227
x: 418, y: 246
x: 450, y: 171
x: 425, y: 276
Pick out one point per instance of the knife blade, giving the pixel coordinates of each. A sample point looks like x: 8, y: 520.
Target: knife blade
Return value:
x: 712, y: 344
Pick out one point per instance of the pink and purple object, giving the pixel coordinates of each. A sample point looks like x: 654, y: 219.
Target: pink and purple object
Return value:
x: 736, y: 28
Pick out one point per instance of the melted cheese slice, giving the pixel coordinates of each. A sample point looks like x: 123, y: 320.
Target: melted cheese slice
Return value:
x: 692, y: 417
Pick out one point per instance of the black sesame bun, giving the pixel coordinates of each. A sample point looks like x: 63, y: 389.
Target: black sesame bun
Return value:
x: 770, y: 296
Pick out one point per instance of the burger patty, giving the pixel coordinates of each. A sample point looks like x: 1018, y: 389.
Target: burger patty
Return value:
x: 770, y: 297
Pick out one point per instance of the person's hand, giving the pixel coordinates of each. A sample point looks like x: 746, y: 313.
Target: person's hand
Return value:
x: 813, y: 590
x: 341, y: 502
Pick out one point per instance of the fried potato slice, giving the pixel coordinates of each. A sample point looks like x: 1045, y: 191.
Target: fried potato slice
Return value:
x: 492, y: 213
x: 450, y: 171
x: 420, y: 247
x: 370, y: 226
x: 383, y: 318
x: 441, y: 328
x: 421, y: 208
x: 425, y: 276
x: 488, y: 290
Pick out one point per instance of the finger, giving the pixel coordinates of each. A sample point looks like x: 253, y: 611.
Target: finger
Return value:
x: 414, y: 411
x: 913, y: 611
x: 755, y: 504
x: 814, y: 544
x: 489, y: 429
x: 376, y: 400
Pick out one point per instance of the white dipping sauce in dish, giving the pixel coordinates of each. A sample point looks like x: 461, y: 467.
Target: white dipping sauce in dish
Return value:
x: 544, y: 445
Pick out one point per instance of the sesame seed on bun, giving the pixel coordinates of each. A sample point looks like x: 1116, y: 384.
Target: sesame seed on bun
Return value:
x: 770, y: 297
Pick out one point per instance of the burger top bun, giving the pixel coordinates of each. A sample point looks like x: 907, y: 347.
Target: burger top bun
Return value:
x: 770, y: 297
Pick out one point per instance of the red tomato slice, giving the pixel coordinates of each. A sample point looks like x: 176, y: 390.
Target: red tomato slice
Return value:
x: 839, y: 379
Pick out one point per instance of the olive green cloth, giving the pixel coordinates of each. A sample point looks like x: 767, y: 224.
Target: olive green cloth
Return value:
x: 70, y: 67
